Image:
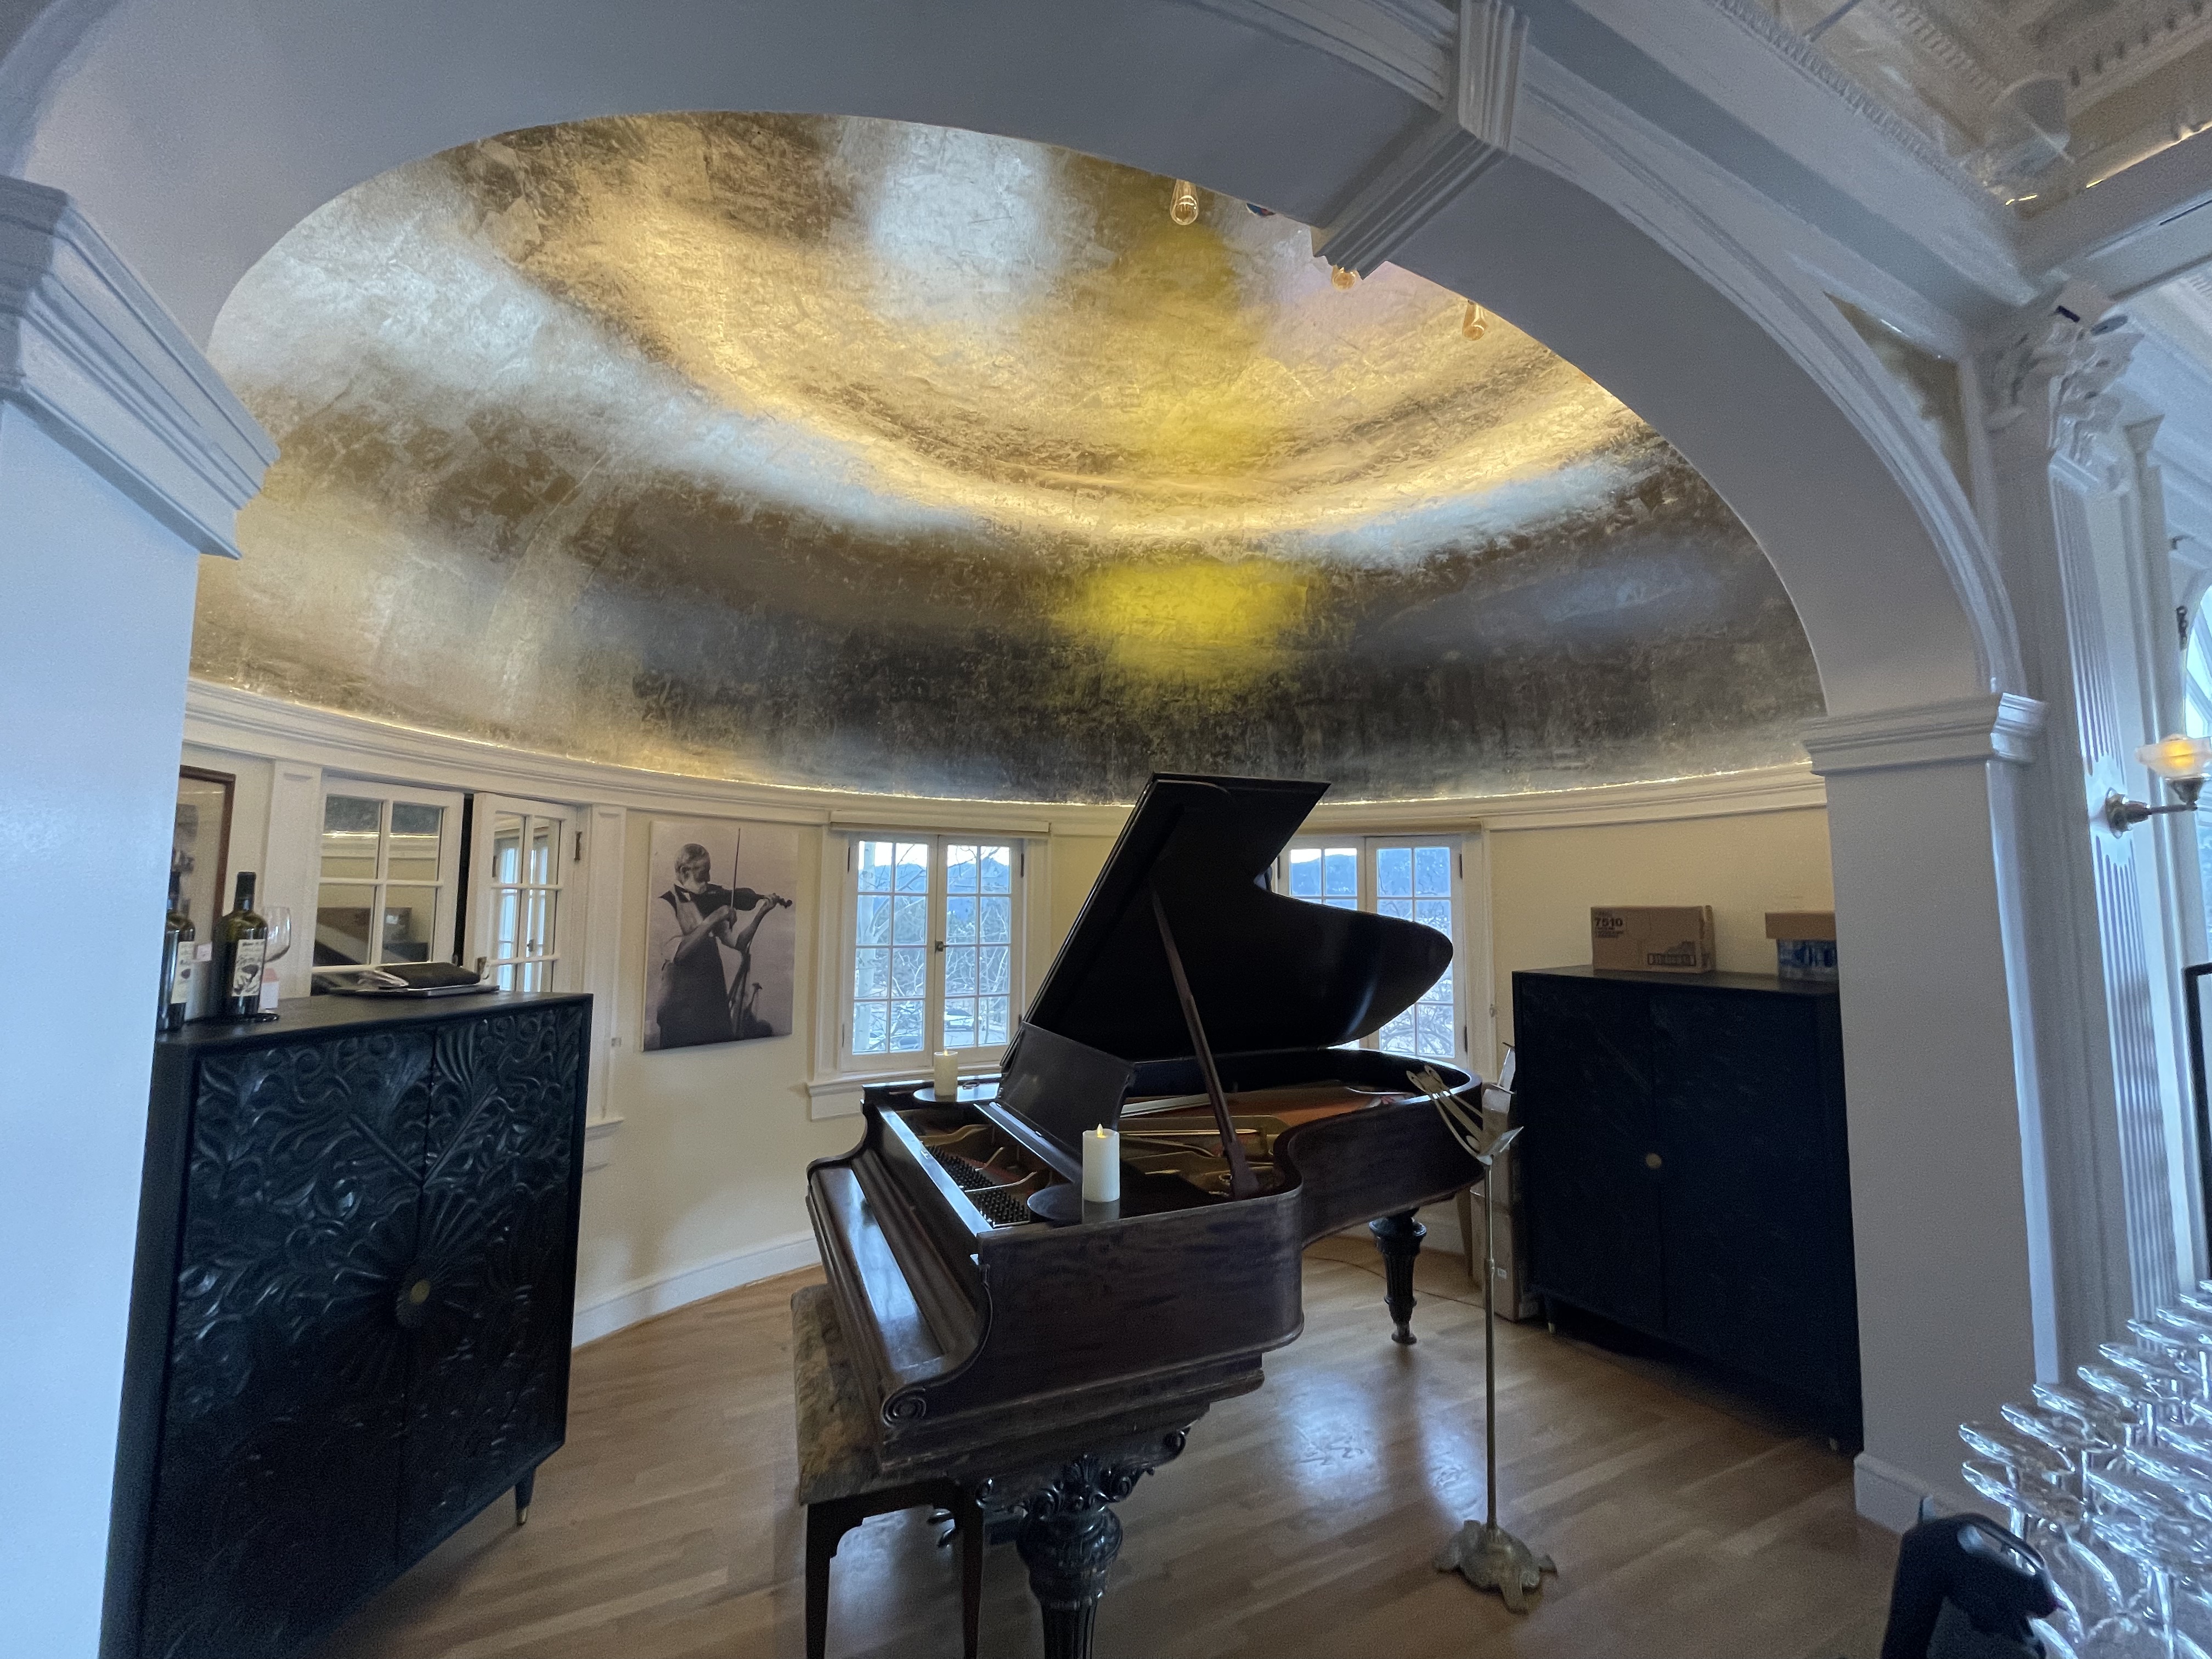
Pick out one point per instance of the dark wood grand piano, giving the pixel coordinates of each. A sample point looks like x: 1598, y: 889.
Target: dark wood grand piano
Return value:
x: 1046, y: 1358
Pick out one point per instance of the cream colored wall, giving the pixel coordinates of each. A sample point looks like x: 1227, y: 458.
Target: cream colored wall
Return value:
x: 706, y: 1187
x: 1543, y: 882
x: 1076, y: 862
x: 709, y: 1167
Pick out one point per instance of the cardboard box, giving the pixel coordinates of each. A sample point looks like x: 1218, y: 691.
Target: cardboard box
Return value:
x: 1804, y: 944
x: 1653, y: 938
x: 1801, y: 924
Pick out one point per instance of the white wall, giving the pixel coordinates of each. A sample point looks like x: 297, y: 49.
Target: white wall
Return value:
x: 95, y: 636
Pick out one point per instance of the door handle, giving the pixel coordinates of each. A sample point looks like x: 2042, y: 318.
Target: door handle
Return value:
x: 1650, y: 1160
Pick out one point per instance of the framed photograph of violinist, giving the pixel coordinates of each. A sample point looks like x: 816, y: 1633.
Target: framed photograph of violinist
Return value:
x: 721, y: 932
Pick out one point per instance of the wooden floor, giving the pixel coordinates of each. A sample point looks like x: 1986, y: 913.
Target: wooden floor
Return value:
x: 1301, y: 1520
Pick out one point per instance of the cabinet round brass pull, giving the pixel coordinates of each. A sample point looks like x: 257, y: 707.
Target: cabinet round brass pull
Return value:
x: 1650, y: 1160
x: 411, y: 1303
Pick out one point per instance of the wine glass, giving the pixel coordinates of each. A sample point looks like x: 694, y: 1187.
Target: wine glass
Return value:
x: 278, y: 918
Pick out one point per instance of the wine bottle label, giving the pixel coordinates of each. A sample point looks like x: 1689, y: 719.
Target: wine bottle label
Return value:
x: 246, y: 967
x: 180, y: 981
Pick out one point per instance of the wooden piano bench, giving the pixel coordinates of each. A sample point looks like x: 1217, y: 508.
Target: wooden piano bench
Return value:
x: 838, y: 1479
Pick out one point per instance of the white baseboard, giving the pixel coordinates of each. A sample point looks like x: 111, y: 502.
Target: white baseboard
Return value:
x: 642, y: 1298
x: 1889, y: 1496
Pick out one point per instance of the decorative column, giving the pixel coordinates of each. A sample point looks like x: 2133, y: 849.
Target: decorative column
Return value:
x: 1951, y: 1263
x: 123, y: 459
x: 2096, y: 921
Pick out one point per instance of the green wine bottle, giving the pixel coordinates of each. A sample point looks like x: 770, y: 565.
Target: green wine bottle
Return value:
x: 245, y: 940
x: 178, y: 938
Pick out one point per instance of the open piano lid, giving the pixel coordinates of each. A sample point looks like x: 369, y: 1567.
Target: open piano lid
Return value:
x: 1267, y: 971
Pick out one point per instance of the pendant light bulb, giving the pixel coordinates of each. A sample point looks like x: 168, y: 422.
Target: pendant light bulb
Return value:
x: 1474, y: 323
x: 1340, y: 277
x: 1183, y: 207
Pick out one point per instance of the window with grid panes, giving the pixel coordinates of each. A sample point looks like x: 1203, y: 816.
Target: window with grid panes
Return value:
x: 1416, y: 878
x: 516, y: 880
x: 936, y: 933
x: 389, y: 868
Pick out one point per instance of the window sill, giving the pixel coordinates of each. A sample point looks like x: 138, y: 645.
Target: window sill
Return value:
x: 600, y: 1142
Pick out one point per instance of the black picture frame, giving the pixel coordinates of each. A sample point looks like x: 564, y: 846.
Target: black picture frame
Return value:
x: 2194, y: 991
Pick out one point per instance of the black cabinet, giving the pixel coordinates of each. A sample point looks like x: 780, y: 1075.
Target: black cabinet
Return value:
x: 1686, y: 1170
x: 351, y: 1320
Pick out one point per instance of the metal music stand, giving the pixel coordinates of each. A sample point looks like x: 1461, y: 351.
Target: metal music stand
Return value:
x: 1483, y: 1553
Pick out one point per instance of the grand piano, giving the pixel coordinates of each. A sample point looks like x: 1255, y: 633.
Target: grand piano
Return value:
x: 1046, y: 1354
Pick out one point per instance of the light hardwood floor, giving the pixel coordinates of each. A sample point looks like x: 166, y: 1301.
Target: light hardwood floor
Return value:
x: 1300, y: 1521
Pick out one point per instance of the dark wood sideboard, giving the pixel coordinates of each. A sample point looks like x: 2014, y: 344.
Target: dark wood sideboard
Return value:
x: 350, y: 1321
x: 1686, y: 1170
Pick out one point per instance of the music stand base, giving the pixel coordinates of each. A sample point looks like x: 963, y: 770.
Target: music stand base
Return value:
x: 1491, y: 1559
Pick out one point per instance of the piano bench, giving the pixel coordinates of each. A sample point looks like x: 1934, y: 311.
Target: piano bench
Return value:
x: 839, y: 1481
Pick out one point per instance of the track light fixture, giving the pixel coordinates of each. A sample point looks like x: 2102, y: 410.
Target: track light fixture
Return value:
x: 1474, y: 322
x: 1340, y: 277
x: 1182, y: 206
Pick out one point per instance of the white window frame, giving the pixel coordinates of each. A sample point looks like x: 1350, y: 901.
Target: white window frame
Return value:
x: 449, y: 858
x: 901, y: 1061
x: 481, y: 950
x: 1475, y: 1013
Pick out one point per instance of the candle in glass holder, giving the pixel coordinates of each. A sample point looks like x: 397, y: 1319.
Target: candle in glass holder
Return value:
x: 1101, y: 1166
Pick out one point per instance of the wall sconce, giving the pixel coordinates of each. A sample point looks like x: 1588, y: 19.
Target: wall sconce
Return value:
x: 2182, y: 762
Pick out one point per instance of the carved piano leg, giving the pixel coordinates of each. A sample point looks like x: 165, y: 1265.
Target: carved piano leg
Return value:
x: 1399, y: 1237
x: 1070, y: 1536
x: 1069, y: 1553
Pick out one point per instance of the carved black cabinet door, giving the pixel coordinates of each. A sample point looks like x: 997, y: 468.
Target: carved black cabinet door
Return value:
x: 1759, y: 1271
x: 285, y: 1365
x: 1588, y: 1149
x: 488, y: 1398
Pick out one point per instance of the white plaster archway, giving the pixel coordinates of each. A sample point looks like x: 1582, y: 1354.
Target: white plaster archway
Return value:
x: 195, y: 133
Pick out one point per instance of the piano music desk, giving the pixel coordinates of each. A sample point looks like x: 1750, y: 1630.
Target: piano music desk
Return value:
x: 838, y: 1480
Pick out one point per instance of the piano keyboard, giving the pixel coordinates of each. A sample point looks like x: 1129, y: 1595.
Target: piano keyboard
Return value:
x: 1001, y: 1206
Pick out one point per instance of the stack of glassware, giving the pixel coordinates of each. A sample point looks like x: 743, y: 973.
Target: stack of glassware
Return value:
x: 2111, y: 1482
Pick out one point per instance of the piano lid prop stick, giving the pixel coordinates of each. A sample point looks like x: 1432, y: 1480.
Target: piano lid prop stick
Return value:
x: 1242, y: 1182
x: 1101, y: 1166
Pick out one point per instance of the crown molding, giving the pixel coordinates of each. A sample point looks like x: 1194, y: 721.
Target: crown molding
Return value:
x: 88, y: 351
x: 223, y: 717
x: 1668, y: 800
x: 1471, y: 134
x: 2001, y: 726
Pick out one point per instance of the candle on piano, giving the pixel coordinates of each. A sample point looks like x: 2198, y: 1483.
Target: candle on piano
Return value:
x: 947, y: 1075
x: 1101, y: 1166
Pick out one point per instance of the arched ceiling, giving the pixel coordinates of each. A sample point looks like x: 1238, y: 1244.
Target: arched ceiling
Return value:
x: 863, y: 454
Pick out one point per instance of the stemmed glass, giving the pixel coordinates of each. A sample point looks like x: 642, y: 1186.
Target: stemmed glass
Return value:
x: 279, y: 919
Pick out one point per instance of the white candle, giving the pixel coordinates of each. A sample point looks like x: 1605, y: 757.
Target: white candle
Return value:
x: 947, y: 1076
x: 1101, y: 1166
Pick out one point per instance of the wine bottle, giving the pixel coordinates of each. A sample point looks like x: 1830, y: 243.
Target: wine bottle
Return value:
x: 178, y: 937
x: 245, y: 940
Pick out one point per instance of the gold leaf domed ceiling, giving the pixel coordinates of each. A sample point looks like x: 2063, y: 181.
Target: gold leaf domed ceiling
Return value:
x: 861, y: 454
